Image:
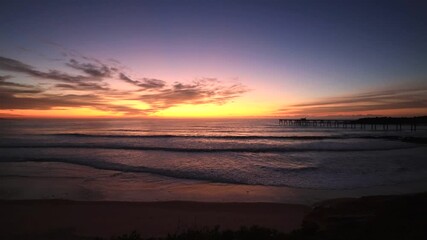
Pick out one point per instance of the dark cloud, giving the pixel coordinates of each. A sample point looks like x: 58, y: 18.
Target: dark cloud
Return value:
x: 9, y: 101
x: 114, y: 61
x: 20, y: 90
x: 394, y: 99
x: 4, y: 78
x: 93, y: 90
x: 45, y: 101
x: 71, y: 82
x: 4, y: 83
x: 60, y: 76
x: 6, y: 86
x: 21, y: 96
x: 146, y: 83
x: 82, y: 86
x: 98, y: 70
x: 199, y: 92
x: 366, y: 97
x: 12, y: 65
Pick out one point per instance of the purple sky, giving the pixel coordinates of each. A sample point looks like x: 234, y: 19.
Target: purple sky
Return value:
x: 213, y: 58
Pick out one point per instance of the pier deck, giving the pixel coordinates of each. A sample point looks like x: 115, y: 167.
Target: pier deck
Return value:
x: 384, y: 123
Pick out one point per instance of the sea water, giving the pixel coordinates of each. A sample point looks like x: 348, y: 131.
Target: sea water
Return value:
x: 228, y: 153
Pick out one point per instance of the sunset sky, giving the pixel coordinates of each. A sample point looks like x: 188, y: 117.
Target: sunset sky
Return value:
x: 212, y: 58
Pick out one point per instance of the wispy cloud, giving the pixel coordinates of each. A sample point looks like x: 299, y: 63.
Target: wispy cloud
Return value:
x: 12, y: 65
x: 91, y: 87
x: 391, y: 99
x: 4, y: 78
x: 201, y: 91
x: 12, y: 87
x: 145, y: 83
x: 98, y: 70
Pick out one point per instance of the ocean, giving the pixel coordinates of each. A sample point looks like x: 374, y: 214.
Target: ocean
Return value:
x: 204, y: 159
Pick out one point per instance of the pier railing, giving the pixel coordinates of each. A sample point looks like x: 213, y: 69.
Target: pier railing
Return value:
x: 384, y: 123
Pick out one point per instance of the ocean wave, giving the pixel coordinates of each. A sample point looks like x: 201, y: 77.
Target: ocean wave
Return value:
x: 231, y: 177
x: 251, y: 149
x: 410, y: 139
x: 195, y: 175
x: 101, y: 165
x: 83, y: 135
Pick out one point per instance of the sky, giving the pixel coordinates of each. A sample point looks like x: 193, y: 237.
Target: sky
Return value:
x: 75, y: 58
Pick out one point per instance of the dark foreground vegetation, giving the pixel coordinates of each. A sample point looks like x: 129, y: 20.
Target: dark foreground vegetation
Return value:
x: 382, y: 217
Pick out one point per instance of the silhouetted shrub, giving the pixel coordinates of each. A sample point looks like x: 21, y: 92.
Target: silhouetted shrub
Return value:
x: 131, y: 236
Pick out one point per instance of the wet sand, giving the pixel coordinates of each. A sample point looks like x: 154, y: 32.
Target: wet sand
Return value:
x: 29, y: 180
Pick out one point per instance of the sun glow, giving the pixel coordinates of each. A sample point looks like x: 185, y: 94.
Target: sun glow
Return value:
x: 234, y: 109
x: 60, y: 113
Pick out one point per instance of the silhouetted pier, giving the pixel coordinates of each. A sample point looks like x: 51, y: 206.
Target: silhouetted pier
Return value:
x: 378, y: 123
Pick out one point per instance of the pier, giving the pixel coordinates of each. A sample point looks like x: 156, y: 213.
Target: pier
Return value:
x: 378, y: 123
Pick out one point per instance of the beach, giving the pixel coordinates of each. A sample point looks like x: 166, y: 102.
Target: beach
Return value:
x: 61, y: 218
x: 64, y: 219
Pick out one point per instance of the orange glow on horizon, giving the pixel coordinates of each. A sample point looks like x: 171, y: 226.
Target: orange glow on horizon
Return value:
x: 59, y: 113
x: 231, y: 110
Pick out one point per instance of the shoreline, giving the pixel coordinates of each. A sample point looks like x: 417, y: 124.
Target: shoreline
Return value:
x: 27, y: 180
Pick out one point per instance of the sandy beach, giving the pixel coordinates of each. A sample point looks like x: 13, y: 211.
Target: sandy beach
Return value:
x: 371, y: 217
x: 41, y: 219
